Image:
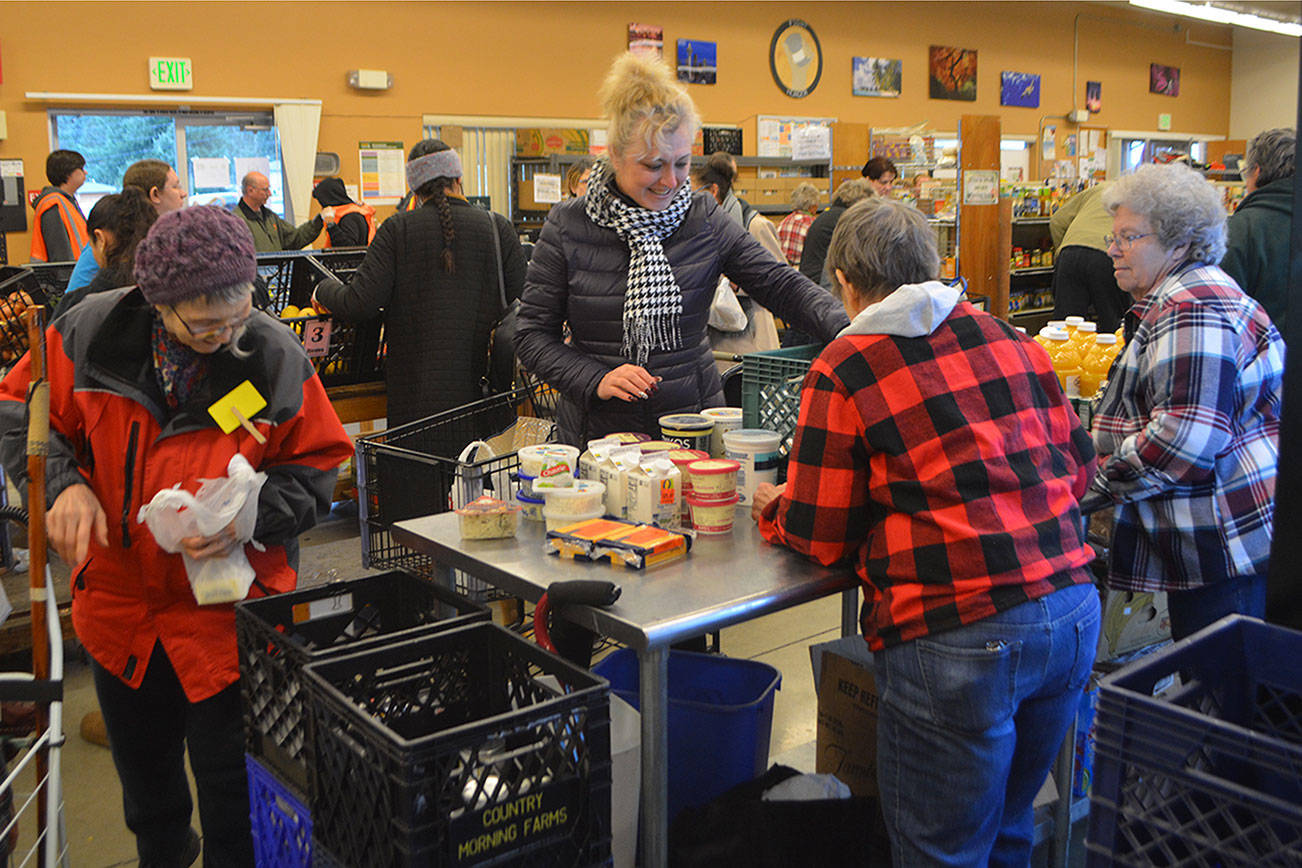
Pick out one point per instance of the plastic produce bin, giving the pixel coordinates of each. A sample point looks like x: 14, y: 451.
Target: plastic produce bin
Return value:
x: 770, y: 389
x: 280, y: 634
x: 1211, y: 772
x: 282, y: 825
x: 720, y: 719
x: 450, y: 749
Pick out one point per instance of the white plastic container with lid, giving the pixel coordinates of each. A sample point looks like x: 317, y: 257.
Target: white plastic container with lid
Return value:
x: 556, y: 521
x: 581, y: 498
x: 714, y: 478
x: 725, y: 419
x: 548, y: 459
x: 530, y: 507
x: 654, y: 492
x: 713, y: 516
x: 689, y: 430
x: 756, y: 451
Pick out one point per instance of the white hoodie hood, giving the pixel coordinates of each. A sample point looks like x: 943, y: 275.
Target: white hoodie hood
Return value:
x: 912, y: 311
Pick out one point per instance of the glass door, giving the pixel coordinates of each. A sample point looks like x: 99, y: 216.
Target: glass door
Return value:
x: 218, y: 151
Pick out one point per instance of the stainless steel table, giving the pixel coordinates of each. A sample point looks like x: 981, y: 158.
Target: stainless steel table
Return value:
x: 724, y: 580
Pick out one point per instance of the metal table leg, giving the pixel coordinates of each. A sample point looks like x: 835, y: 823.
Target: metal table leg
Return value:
x: 653, y: 694
x: 1064, y: 770
x: 850, y: 612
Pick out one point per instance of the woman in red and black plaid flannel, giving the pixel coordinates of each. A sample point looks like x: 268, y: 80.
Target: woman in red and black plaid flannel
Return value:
x: 936, y: 451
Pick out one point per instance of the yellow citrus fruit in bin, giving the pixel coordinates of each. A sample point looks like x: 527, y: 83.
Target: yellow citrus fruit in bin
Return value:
x: 290, y: 312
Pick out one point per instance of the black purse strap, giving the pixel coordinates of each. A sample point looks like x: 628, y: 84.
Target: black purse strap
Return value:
x: 497, y: 252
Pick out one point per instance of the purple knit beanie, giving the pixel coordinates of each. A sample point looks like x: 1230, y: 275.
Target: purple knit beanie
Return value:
x: 194, y: 252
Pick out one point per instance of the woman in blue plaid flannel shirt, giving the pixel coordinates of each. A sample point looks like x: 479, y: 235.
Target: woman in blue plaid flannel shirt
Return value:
x: 1188, y: 428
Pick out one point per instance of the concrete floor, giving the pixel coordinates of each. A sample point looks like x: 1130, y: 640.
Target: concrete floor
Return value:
x: 98, y: 839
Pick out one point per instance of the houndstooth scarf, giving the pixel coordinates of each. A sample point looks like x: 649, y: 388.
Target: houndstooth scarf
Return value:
x: 653, y: 301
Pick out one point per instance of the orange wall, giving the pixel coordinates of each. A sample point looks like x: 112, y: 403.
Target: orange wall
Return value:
x: 547, y: 59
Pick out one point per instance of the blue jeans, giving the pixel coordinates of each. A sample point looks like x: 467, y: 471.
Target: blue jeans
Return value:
x: 970, y: 721
x: 1192, y: 610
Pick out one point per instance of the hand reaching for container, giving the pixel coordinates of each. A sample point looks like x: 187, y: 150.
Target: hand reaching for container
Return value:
x: 628, y: 383
x: 75, y: 514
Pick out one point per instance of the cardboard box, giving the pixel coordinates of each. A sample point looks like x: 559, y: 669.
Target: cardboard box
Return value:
x: 847, y: 713
x: 543, y: 142
x: 1132, y: 621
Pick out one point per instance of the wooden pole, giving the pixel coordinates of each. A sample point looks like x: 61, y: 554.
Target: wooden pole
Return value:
x: 38, y: 442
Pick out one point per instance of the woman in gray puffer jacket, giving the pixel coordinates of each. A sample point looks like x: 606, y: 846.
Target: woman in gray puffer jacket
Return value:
x: 632, y: 267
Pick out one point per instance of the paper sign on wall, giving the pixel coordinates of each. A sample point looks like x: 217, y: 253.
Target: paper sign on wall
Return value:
x: 546, y: 188
x: 211, y: 172
x: 244, y: 165
x: 811, y: 143
x: 384, y: 177
x: 980, y: 186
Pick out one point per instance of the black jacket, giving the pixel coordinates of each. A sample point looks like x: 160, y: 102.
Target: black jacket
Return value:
x: 817, y: 241
x: 579, y: 274
x: 1257, y: 250
x: 436, y: 324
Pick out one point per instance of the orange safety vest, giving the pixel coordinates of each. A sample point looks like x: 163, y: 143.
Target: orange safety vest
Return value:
x: 342, y: 211
x: 73, y: 223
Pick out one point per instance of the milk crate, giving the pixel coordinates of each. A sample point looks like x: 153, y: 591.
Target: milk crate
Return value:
x: 453, y: 749
x: 770, y: 389
x: 1210, y: 772
x: 280, y: 634
x: 423, y: 468
x: 282, y: 823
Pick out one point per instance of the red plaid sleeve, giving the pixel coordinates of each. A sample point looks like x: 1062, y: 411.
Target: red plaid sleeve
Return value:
x: 823, y: 511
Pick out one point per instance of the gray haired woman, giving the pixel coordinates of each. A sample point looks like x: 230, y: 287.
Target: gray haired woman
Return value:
x: 1188, y: 428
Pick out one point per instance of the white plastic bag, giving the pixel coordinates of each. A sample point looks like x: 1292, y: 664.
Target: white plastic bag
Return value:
x: 174, y: 514
x: 726, y: 314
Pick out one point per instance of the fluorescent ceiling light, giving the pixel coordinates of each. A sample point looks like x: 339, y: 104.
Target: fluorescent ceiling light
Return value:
x: 1220, y: 15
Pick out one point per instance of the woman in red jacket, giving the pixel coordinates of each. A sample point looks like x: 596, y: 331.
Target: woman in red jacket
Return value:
x: 132, y: 374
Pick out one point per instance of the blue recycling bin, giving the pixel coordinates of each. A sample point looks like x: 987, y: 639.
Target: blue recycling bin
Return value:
x: 720, y: 719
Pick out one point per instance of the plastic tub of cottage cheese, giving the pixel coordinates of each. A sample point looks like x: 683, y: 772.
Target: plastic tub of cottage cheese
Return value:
x: 756, y: 450
x: 689, y: 430
x: 531, y: 508
x: 556, y: 521
x: 582, y: 498
x: 725, y: 419
x: 549, y: 460
x: 713, y: 516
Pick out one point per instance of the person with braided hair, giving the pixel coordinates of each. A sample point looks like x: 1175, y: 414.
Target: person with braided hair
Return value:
x: 632, y: 267
x: 433, y: 271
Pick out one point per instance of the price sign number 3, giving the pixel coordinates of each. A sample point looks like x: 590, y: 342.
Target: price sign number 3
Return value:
x: 316, y: 337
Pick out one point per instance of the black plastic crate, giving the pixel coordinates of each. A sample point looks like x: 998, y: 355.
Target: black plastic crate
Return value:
x: 280, y: 634
x: 52, y: 281
x: 1210, y: 773
x: 415, y: 469
x: 13, y: 328
x: 449, y: 749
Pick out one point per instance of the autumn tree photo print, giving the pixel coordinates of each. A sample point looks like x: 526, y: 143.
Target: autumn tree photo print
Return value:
x: 953, y: 73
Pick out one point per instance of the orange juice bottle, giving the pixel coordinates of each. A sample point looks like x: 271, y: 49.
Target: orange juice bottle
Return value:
x: 1083, y: 337
x: 1096, y: 364
x: 1066, y: 361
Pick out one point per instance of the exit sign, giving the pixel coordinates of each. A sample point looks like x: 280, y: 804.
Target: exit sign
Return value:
x: 171, y: 73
